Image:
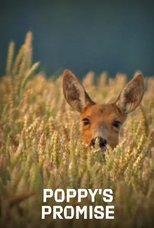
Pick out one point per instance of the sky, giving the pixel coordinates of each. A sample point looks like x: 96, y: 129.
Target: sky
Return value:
x: 113, y: 36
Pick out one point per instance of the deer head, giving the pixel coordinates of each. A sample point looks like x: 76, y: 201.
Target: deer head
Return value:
x: 102, y: 121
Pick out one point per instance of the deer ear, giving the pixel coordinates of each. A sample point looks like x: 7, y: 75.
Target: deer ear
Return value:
x: 132, y: 94
x: 74, y: 92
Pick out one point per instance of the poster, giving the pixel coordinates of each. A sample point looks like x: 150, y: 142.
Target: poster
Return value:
x: 76, y: 114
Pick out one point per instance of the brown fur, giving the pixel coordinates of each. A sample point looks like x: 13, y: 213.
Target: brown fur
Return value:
x: 102, y: 116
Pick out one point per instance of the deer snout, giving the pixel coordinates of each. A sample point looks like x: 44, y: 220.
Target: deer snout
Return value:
x: 101, y: 142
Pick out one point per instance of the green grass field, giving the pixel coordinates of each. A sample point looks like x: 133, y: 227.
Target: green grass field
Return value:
x: 41, y: 147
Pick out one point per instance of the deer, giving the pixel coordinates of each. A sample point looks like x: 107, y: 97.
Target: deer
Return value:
x: 101, y: 123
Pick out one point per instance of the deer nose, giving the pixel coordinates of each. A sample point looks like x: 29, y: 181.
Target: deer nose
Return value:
x: 102, y: 142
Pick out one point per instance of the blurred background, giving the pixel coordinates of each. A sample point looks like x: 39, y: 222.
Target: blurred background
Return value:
x: 108, y: 35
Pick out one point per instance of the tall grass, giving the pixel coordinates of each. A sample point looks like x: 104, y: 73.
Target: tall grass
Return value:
x: 41, y: 147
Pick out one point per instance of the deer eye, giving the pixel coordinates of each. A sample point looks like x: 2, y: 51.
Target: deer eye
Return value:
x: 86, y: 121
x: 116, y: 124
